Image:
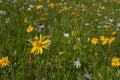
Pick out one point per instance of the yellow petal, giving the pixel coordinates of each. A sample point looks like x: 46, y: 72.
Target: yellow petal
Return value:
x: 40, y: 37
x: 41, y: 50
x: 33, y: 50
x: 36, y: 38
x: 46, y: 47
x: 45, y: 42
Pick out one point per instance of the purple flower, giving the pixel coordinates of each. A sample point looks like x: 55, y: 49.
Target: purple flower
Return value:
x: 40, y: 27
x: 118, y: 24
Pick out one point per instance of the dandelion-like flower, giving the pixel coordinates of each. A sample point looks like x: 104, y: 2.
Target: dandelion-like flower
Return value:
x: 94, y: 40
x: 4, y: 61
x: 38, y: 44
x: 77, y: 64
x: 115, y: 61
x: 111, y: 40
x: 30, y: 29
x: 52, y: 5
x: 104, y: 40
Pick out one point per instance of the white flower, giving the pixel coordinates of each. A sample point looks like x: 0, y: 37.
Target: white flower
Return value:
x: 77, y: 64
x: 87, y: 24
x: 31, y: 6
x: 87, y: 76
x: 96, y: 20
x: 14, y: 1
x: 111, y: 20
x: 106, y: 0
x: 2, y: 12
x: 66, y: 34
x: 98, y: 26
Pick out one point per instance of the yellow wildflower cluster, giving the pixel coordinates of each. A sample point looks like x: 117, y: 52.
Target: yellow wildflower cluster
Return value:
x: 104, y: 40
x: 4, y: 61
x: 115, y: 61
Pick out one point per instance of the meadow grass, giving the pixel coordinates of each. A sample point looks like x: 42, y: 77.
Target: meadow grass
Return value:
x: 70, y: 25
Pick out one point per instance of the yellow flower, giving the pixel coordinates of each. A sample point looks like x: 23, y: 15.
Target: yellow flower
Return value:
x: 100, y: 7
x: 38, y: 7
x: 60, y: 4
x: 105, y: 41
x: 83, y: 6
x: 66, y: 9
x: 114, y: 33
x: 42, y: 19
x: 38, y: 44
x: 46, y: 14
x: 115, y: 61
x: 30, y: 29
x: 94, y: 4
x: 102, y: 38
x: 61, y: 53
x: 52, y: 5
x: 48, y: 1
x: 99, y: 14
x: 4, y: 61
x: 60, y: 11
x: 94, y: 40
x: 39, y: 0
x: 111, y: 40
x: 73, y: 13
x: 25, y: 20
